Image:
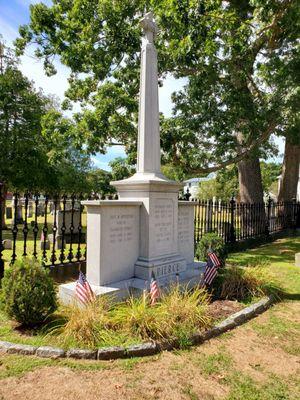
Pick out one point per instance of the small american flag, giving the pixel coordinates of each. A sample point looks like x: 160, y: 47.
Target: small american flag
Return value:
x: 154, y: 290
x: 84, y: 292
x: 211, y: 270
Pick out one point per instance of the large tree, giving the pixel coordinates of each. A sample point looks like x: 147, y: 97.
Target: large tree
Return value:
x: 226, y: 50
x: 290, y: 170
x: 38, y: 147
x: 22, y: 158
x: 21, y: 108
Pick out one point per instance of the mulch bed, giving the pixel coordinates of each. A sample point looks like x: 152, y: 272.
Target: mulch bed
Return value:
x: 221, y: 309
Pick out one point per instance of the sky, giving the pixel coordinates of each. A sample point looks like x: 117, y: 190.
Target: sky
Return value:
x: 14, y: 13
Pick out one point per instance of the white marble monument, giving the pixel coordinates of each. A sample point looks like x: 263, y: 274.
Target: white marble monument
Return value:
x: 147, y: 230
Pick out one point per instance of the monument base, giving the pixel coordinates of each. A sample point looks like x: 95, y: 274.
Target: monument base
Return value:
x: 121, y: 290
x: 160, y: 267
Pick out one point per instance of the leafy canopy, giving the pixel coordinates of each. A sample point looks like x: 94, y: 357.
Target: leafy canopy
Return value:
x: 240, y: 59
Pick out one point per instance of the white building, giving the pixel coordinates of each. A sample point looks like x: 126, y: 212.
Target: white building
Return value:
x: 192, y: 185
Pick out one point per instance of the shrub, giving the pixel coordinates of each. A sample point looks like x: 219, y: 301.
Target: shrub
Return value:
x: 244, y: 283
x: 28, y: 292
x: 214, y: 242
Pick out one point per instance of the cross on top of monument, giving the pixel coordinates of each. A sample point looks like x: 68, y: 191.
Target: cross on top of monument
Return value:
x: 149, y: 26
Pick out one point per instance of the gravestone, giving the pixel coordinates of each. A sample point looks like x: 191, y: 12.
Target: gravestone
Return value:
x: 40, y: 209
x: 30, y: 209
x: 7, y: 244
x: 65, y: 218
x: 297, y: 259
x: 18, y: 215
x: 45, y: 244
x: 8, y: 212
x: 146, y: 231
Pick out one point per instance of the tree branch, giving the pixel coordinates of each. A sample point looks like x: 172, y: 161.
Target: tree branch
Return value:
x: 238, y: 157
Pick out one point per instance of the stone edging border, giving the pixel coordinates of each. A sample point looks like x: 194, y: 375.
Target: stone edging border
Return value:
x: 143, y: 349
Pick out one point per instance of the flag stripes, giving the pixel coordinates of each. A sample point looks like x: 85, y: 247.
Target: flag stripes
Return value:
x: 83, y: 291
x: 211, y: 270
x: 154, y: 290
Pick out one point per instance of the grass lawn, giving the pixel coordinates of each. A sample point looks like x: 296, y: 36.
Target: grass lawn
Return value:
x: 257, y: 361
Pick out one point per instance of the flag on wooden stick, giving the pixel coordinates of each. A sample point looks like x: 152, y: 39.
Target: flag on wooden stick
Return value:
x: 83, y: 291
x: 211, y: 270
x: 154, y: 290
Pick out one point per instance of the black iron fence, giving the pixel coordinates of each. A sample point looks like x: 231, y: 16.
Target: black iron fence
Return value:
x: 236, y: 222
x: 53, y: 228
x: 50, y: 228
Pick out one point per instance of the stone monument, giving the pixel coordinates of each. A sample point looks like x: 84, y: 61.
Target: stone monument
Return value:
x: 147, y: 230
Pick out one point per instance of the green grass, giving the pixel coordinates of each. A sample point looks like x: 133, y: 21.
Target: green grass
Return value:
x: 278, y: 327
x: 214, y: 364
x: 280, y: 255
x: 242, y: 387
x: 18, y: 365
x: 15, y: 365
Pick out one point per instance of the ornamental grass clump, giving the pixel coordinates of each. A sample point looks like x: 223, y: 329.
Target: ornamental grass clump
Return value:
x: 176, y: 315
x: 242, y: 284
x: 178, y: 312
x: 138, y: 318
x: 85, y: 325
x: 28, y: 292
x: 185, y: 311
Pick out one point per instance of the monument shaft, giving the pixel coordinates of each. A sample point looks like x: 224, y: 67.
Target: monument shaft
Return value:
x: 148, y: 125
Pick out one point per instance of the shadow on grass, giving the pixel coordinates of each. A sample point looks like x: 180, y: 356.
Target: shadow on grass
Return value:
x: 48, y: 327
x: 283, y: 251
x: 289, y: 296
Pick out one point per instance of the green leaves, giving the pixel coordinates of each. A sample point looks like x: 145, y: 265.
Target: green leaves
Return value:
x: 240, y: 60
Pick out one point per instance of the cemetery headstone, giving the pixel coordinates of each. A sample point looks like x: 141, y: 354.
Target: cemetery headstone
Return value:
x: 64, y: 218
x: 18, y: 216
x: 8, y: 212
x: 7, y: 244
x: 30, y: 209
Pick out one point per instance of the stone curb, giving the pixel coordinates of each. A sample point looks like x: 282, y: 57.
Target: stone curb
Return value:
x: 143, y: 349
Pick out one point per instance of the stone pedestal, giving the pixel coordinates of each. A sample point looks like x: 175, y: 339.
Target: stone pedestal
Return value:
x: 158, y: 252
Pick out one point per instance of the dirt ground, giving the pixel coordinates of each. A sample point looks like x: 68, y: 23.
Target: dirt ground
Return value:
x: 261, y: 353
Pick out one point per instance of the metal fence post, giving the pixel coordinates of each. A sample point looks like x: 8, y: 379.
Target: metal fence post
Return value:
x: 269, y: 204
x: 1, y: 236
x: 298, y: 214
x: 232, y: 225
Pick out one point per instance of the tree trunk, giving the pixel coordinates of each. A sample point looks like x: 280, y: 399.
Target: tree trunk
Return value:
x: 253, y: 218
x: 250, y: 182
x: 3, y: 211
x: 290, y: 172
x: 4, y: 194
